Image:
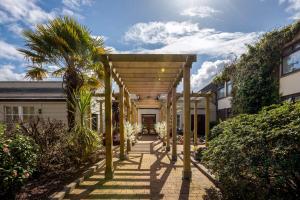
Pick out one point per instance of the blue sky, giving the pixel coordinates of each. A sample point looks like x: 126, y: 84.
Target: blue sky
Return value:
x: 215, y: 30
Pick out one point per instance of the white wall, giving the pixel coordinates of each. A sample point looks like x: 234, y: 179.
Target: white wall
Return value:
x: 290, y: 84
x: 224, y: 103
x: 148, y: 111
x: 52, y: 110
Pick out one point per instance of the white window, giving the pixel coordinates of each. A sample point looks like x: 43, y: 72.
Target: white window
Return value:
x: 18, y: 113
x: 228, y: 88
x: 11, y: 114
x: 291, y: 63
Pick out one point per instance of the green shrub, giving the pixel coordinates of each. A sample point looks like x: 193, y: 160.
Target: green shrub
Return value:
x: 258, y: 156
x: 84, y: 141
x: 18, y: 160
x: 52, y: 138
x: 199, y: 153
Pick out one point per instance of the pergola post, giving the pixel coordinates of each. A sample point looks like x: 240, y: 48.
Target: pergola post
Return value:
x: 168, y: 123
x: 195, y: 123
x: 122, y: 123
x: 129, y: 120
x: 108, y: 121
x: 174, y: 125
x: 207, y: 119
x: 187, y: 173
x: 101, y: 128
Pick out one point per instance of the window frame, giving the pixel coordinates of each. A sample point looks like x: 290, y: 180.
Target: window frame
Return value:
x: 228, y: 95
x: 20, y: 113
x: 287, y: 52
x: 224, y: 93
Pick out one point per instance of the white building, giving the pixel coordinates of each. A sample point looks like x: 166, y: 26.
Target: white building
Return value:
x: 19, y: 100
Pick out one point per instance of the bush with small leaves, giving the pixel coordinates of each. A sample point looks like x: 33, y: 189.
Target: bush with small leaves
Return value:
x: 18, y: 160
x: 258, y: 156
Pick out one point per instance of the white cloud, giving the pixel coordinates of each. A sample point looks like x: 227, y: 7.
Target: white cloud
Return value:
x: 15, y: 28
x: 293, y: 6
x: 160, y: 32
x: 7, y: 73
x: 26, y: 11
x: 9, y: 51
x: 206, y: 73
x: 202, y: 12
x: 186, y: 37
x: 76, y: 4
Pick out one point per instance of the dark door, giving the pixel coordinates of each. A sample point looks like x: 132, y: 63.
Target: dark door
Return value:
x: 148, y: 121
x: 201, y: 124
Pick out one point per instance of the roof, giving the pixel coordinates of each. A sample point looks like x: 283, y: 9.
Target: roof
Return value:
x: 210, y: 87
x: 149, y: 75
x: 32, y: 90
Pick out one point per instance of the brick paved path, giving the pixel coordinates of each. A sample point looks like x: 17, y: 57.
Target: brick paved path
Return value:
x: 147, y: 174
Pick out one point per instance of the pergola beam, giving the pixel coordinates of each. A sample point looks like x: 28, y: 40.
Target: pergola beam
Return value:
x: 151, y: 57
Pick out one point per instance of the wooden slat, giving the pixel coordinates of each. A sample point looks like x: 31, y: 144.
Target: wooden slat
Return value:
x: 148, y: 71
x: 148, y: 75
x: 151, y: 57
x: 137, y: 79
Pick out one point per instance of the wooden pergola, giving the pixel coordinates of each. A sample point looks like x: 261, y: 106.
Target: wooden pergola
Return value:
x: 148, y: 76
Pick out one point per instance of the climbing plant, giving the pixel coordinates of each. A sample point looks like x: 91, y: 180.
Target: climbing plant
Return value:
x: 255, y: 74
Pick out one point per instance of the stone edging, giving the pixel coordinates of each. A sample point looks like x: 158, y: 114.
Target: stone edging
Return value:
x: 205, y: 171
x: 68, y: 188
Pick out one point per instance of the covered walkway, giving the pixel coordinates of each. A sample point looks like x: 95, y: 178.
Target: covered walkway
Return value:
x: 143, y: 79
x: 148, y: 173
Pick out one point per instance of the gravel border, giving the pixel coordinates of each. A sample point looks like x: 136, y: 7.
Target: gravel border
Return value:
x: 71, y: 186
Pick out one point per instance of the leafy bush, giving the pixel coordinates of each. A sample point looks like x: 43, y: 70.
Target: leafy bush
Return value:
x: 199, y: 153
x: 18, y: 160
x: 258, y: 156
x: 53, y: 140
x: 84, y: 142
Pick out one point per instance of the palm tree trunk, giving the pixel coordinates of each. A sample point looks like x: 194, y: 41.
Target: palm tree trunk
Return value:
x: 73, y: 82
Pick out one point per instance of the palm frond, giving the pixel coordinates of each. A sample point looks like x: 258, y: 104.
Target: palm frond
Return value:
x: 59, y: 73
x: 36, y: 73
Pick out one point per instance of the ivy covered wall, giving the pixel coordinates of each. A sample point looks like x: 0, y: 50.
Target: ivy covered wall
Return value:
x: 255, y: 75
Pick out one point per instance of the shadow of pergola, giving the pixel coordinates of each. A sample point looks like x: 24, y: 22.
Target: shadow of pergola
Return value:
x: 144, y: 175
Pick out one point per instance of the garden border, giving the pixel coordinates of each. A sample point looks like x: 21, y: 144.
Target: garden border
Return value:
x: 205, y: 171
x: 71, y: 186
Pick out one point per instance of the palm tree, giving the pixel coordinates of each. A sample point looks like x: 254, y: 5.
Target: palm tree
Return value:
x: 65, y: 43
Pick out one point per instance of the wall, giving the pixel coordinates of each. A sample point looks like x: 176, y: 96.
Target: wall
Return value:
x: 224, y: 103
x: 148, y: 111
x: 53, y: 110
x: 290, y: 84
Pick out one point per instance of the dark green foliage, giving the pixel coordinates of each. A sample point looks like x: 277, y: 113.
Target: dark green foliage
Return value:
x: 258, y: 156
x: 199, y: 154
x: 18, y: 160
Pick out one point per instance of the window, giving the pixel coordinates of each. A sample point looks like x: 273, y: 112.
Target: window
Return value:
x: 94, y: 122
x: 28, y: 113
x: 221, y: 93
x: 291, y: 63
x: 228, y: 88
x: 11, y: 114
x: 16, y: 113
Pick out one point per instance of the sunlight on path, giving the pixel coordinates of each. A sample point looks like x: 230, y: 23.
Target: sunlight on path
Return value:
x: 147, y: 174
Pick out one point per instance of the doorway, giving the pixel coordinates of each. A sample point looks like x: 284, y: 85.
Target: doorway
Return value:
x: 200, y: 125
x: 148, y: 122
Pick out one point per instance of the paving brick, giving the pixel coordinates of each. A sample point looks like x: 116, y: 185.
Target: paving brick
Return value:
x: 147, y: 174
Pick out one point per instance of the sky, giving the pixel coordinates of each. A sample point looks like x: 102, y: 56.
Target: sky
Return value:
x: 216, y: 30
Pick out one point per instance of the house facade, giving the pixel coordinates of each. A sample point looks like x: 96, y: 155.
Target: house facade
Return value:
x: 289, y: 76
x: 22, y: 100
